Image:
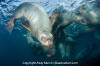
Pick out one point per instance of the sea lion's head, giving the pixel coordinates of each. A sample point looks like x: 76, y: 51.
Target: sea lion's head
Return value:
x: 46, y: 39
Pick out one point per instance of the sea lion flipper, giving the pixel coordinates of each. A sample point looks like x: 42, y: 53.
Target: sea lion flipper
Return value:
x: 10, y: 25
x: 54, y: 17
x: 26, y: 26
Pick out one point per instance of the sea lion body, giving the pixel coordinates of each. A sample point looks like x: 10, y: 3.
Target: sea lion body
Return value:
x: 66, y: 18
x: 35, y: 14
x: 39, y: 23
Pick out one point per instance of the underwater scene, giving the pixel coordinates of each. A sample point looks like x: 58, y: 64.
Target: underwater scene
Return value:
x: 61, y: 33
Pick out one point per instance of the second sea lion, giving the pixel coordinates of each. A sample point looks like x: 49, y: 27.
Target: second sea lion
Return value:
x: 39, y: 23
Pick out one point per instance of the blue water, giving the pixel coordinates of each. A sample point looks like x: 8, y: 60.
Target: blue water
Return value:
x: 15, y: 47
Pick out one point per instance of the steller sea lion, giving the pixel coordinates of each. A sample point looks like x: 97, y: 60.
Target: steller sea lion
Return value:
x: 90, y: 13
x: 39, y: 23
x: 87, y: 15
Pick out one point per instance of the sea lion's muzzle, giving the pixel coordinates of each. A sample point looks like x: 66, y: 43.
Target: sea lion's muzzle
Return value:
x: 46, y: 38
x: 48, y: 44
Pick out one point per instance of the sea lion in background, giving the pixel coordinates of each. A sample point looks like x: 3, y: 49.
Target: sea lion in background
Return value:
x: 66, y: 18
x: 91, y: 13
x: 87, y: 15
x: 38, y: 22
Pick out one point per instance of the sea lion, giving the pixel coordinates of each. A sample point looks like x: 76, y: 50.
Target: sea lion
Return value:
x: 39, y: 23
x: 62, y: 19
x: 90, y: 13
x: 87, y: 14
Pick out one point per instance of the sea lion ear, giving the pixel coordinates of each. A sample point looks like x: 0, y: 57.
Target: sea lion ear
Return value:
x: 54, y: 17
